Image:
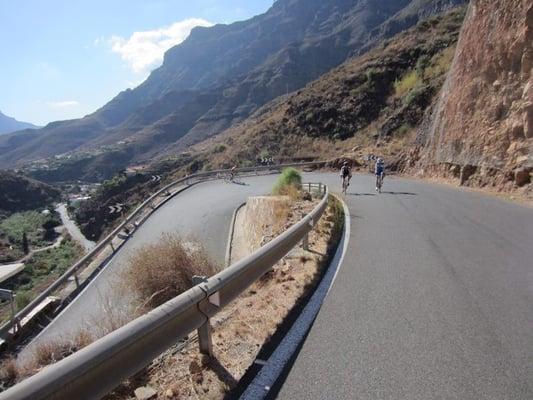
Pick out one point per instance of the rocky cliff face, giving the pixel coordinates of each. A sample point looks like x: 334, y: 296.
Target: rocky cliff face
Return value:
x: 481, y: 129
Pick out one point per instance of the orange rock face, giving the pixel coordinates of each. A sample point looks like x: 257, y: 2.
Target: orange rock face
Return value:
x: 484, y: 117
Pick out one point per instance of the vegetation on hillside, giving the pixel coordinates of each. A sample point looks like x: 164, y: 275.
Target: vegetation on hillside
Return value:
x: 40, y: 271
x: 25, y: 231
x: 372, y: 101
x: 20, y: 193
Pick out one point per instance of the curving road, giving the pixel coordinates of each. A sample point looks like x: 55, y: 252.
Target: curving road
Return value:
x: 434, y: 299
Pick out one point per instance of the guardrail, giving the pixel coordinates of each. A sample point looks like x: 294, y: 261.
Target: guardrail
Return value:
x: 13, y: 324
x: 100, y: 367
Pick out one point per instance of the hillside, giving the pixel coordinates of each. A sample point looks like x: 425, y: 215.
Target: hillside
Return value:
x: 221, y: 75
x: 9, y: 124
x: 371, y: 103
x: 480, y: 133
x: 20, y: 193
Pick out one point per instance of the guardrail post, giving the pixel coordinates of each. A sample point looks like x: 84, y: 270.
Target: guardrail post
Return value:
x: 205, y: 331
x: 319, y: 188
x: 76, y: 279
x: 305, y: 242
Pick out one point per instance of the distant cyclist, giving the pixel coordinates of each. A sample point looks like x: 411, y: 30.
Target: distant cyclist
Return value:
x: 380, y: 173
x: 232, y: 173
x: 346, y: 175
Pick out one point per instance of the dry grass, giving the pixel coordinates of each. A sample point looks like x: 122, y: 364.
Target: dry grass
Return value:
x: 9, y: 371
x: 161, y: 271
x: 406, y: 83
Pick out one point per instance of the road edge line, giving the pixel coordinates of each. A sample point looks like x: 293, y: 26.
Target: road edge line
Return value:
x: 266, y: 378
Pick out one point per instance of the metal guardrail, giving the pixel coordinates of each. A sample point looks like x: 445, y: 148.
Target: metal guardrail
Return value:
x: 100, y: 367
x: 89, y: 257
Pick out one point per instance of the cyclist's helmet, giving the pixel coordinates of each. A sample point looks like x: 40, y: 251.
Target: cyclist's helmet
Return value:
x: 380, y: 160
x: 345, y: 163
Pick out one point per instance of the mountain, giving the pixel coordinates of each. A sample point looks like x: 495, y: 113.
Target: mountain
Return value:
x: 20, y: 193
x: 480, y: 132
x: 8, y: 124
x: 220, y: 75
x: 372, y: 103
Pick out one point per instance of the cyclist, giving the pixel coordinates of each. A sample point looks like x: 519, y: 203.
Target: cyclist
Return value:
x: 346, y: 175
x: 232, y: 172
x: 380, y: 173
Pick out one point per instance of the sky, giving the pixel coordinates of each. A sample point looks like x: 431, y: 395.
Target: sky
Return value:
x: 65, y: 59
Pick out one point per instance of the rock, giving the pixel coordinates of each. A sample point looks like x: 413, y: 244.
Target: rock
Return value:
x: 522, y: 177
x: 145, y: 393
x: 455, y: 170
x: 528, y: 120
x: 466, y: 172
x: 517, y: 131
x: 169, y: 393
x: 307, y: 196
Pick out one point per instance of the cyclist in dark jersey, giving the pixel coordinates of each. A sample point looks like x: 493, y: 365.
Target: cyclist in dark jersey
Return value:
x: 346, y: 175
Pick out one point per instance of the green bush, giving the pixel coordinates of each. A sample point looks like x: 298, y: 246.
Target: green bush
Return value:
x: 22, y: 299
x: 219, y: 149
x: 290, y: 177
x: 406, y: 83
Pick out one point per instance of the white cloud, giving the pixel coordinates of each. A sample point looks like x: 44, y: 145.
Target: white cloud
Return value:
x: 145, y: 49
x: 62, y: 104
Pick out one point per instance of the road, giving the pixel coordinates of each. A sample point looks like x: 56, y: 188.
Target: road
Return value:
x: 434, y: 299
x: 201, y: 213
x: 73, y: 229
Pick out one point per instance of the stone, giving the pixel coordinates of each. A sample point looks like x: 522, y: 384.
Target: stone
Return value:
x: 517, y: 131
x: 528, y: 120
x: 466, y: 172
x: 522, y: 177
x: 145, y: 393
x: 169, y: 394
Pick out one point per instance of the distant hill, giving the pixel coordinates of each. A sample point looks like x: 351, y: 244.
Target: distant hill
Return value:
x: 8, y: 124
x: 221, y: 75
x: 20, y: 193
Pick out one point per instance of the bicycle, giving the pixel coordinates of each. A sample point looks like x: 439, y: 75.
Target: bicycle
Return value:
x: 379, y: 182
x: 345, y: 184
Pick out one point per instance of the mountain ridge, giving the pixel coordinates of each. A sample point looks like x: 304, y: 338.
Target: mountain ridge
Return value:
x: 9, y: 124
x: 263, y: 60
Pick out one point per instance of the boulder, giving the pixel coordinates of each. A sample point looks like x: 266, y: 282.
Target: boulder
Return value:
x: 145, y: 393
x: 466, y: 172
x: 522, y: 177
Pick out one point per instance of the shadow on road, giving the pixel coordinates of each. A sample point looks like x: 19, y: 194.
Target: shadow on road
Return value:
x: 360, y: 194
x: 240, y: 183
x: 401, y: 193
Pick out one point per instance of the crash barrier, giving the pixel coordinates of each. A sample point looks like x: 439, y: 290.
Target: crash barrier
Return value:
x: 100, y: 367
x: 135, y: 219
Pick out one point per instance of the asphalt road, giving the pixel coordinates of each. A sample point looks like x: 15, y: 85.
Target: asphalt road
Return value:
x: 201, y: 213
x: 434, y: 301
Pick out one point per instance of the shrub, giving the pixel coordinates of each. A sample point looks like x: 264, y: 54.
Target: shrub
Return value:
x: 406, y: 83
x: 22, y: 299
x: 289, y: 180
x: 404, y: 129
x: 161, y: 271
x: 219, y: 149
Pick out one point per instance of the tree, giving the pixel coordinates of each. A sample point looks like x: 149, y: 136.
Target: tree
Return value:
x: 25, y: 244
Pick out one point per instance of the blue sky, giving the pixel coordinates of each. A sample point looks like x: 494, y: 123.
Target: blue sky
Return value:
x: 65, y: 59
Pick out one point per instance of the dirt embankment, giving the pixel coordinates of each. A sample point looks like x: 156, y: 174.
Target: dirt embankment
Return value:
x: 480, y: 132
